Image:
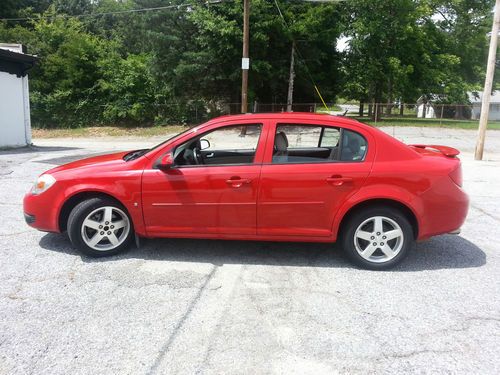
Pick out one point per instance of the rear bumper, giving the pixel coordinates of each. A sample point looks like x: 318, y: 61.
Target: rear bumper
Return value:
x: 445, y: 207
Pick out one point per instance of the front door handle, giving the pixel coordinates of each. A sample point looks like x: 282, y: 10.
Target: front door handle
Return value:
x: 237, y: 182
x: 338, y: 180
x: 211, y: 155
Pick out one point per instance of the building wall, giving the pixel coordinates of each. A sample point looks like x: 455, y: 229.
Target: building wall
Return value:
x: 14, y: 111
x: 493, y: 114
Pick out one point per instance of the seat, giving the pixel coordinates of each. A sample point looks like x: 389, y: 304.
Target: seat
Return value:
x: 280, y: 148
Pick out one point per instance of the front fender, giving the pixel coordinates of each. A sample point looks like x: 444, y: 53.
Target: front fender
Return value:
x: 124, y: 190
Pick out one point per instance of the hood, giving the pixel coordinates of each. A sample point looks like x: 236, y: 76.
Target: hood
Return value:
x: 111, y: 160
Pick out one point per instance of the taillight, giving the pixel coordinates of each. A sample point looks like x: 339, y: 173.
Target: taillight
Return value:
x: 456, y: 175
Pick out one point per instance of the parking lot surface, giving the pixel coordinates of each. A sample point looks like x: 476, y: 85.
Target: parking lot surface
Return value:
x: 179, y: 306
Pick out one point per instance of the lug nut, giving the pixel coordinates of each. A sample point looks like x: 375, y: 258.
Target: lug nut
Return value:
x: 109, y: 232
x: 100, y: 226
x: 378, y: 233
x: 102, y: 233
x: 112, y: 227
x: 381, y: 244
x: 372, y: 237
x: 384, y: 237
x: 374, y: 244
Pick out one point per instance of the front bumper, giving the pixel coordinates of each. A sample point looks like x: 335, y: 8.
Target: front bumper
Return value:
x: 41, y: 211
x: 30, y: 219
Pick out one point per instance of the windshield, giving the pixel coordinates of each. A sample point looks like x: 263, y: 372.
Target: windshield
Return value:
x: 170, y: 139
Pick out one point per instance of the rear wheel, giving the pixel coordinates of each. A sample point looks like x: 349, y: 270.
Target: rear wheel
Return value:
x: 100, y: 227
x: 377, y: 238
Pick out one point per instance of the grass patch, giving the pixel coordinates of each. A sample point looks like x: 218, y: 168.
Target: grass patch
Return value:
x: 107, y: 131
x: 432, y: 123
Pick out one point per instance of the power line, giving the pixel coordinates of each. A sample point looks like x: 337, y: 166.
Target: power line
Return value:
x: 110, y: 13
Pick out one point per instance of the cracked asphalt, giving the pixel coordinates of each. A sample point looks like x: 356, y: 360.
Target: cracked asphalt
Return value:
x: 179, y: 306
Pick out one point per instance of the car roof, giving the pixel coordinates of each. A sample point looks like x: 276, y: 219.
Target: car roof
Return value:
x: 292, y: 115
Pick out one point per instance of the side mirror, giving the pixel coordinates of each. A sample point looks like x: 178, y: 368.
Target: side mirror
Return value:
x: 166, y: 161
x: 204, y: 144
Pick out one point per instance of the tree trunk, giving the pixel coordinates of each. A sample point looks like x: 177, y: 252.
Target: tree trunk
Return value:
x: 370, y: 109
x: 361, y: 108
x: 401, y: 109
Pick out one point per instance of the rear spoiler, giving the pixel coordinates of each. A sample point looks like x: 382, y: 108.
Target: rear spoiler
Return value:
x: 445, y: 150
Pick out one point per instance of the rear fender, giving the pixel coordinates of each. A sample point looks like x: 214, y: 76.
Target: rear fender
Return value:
x: 374, y: 192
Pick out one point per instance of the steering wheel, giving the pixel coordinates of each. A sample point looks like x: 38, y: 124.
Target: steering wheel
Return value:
x: 197, y: 156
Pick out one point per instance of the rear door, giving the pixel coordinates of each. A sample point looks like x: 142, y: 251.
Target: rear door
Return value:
x: 304, y: 185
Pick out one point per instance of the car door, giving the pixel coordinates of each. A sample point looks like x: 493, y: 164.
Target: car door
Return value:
x: 214, y: 198
x: 306, y: 176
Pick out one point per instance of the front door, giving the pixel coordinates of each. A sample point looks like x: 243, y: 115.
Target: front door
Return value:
x: 311, y: 172
x: 212, y: 188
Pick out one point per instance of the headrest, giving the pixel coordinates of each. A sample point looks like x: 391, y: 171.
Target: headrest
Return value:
x: 281, y: 141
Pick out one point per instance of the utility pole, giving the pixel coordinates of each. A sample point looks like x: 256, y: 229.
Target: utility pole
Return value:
x: 245, y: 61
x: 289, y: 100
x: 488, y: 84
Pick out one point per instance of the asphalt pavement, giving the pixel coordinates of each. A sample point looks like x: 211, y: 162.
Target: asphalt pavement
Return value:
x: 178, y: 306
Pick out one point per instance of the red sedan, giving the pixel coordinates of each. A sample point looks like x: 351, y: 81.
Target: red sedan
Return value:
x: 273, y: 177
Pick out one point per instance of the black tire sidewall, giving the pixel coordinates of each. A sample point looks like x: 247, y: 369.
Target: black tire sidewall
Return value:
x: 347, y: 237
x: 78, y: 215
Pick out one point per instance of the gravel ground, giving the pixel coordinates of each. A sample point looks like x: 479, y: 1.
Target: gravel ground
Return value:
x: 194, y: 306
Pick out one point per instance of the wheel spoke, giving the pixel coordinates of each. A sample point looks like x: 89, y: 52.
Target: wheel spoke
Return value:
x: 95, y: 240
x: 369, y: 250
x: 108, y: 214
x: 91, y: 224
x: 119, y: 224
x: 113, y: 239
x: 392, y: 234
x: 386, y: 249
x: 378, y: 224
x: 364, y: 235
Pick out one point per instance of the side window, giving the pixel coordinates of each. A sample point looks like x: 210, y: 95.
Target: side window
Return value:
x: 235, y: 144
x: 297, y: 143
x: 353, y: 146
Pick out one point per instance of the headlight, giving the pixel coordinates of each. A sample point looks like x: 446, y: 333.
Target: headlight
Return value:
x: 42, y: 183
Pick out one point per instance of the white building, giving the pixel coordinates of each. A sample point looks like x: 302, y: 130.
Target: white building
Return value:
x: 15, y: 125
x: 476, y: 101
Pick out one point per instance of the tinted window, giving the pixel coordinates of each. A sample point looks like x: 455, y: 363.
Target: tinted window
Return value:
x: 353, y: 146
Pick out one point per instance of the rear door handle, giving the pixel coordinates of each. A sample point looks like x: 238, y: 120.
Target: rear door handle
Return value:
x: 238, y: 182
x: 338, y: 180
x: 211, y: 155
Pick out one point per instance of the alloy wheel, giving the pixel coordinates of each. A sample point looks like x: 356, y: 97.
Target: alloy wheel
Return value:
x: 378, y: 239
x: 105, y: 228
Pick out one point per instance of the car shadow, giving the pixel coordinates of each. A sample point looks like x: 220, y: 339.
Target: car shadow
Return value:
x: 442, y: 252
x: 34, y: 149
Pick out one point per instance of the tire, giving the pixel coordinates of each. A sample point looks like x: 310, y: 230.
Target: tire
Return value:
x: 370, y: 247
x: 104, y: 218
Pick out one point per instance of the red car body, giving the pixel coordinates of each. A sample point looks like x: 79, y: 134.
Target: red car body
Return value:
x: 263, y: 200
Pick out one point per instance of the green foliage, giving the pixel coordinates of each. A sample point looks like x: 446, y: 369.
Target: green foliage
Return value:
x: 182, y: 64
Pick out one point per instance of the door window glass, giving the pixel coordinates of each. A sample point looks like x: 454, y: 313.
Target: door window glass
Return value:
x: 305, y: 144
x: 235, y: 144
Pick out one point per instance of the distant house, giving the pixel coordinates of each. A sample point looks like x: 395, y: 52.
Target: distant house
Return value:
x: 476, y: 99
x: 425, y: 107
x: 15, y: 123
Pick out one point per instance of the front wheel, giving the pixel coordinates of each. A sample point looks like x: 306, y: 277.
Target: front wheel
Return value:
x: 377, y: 238
x: 100, y: 227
